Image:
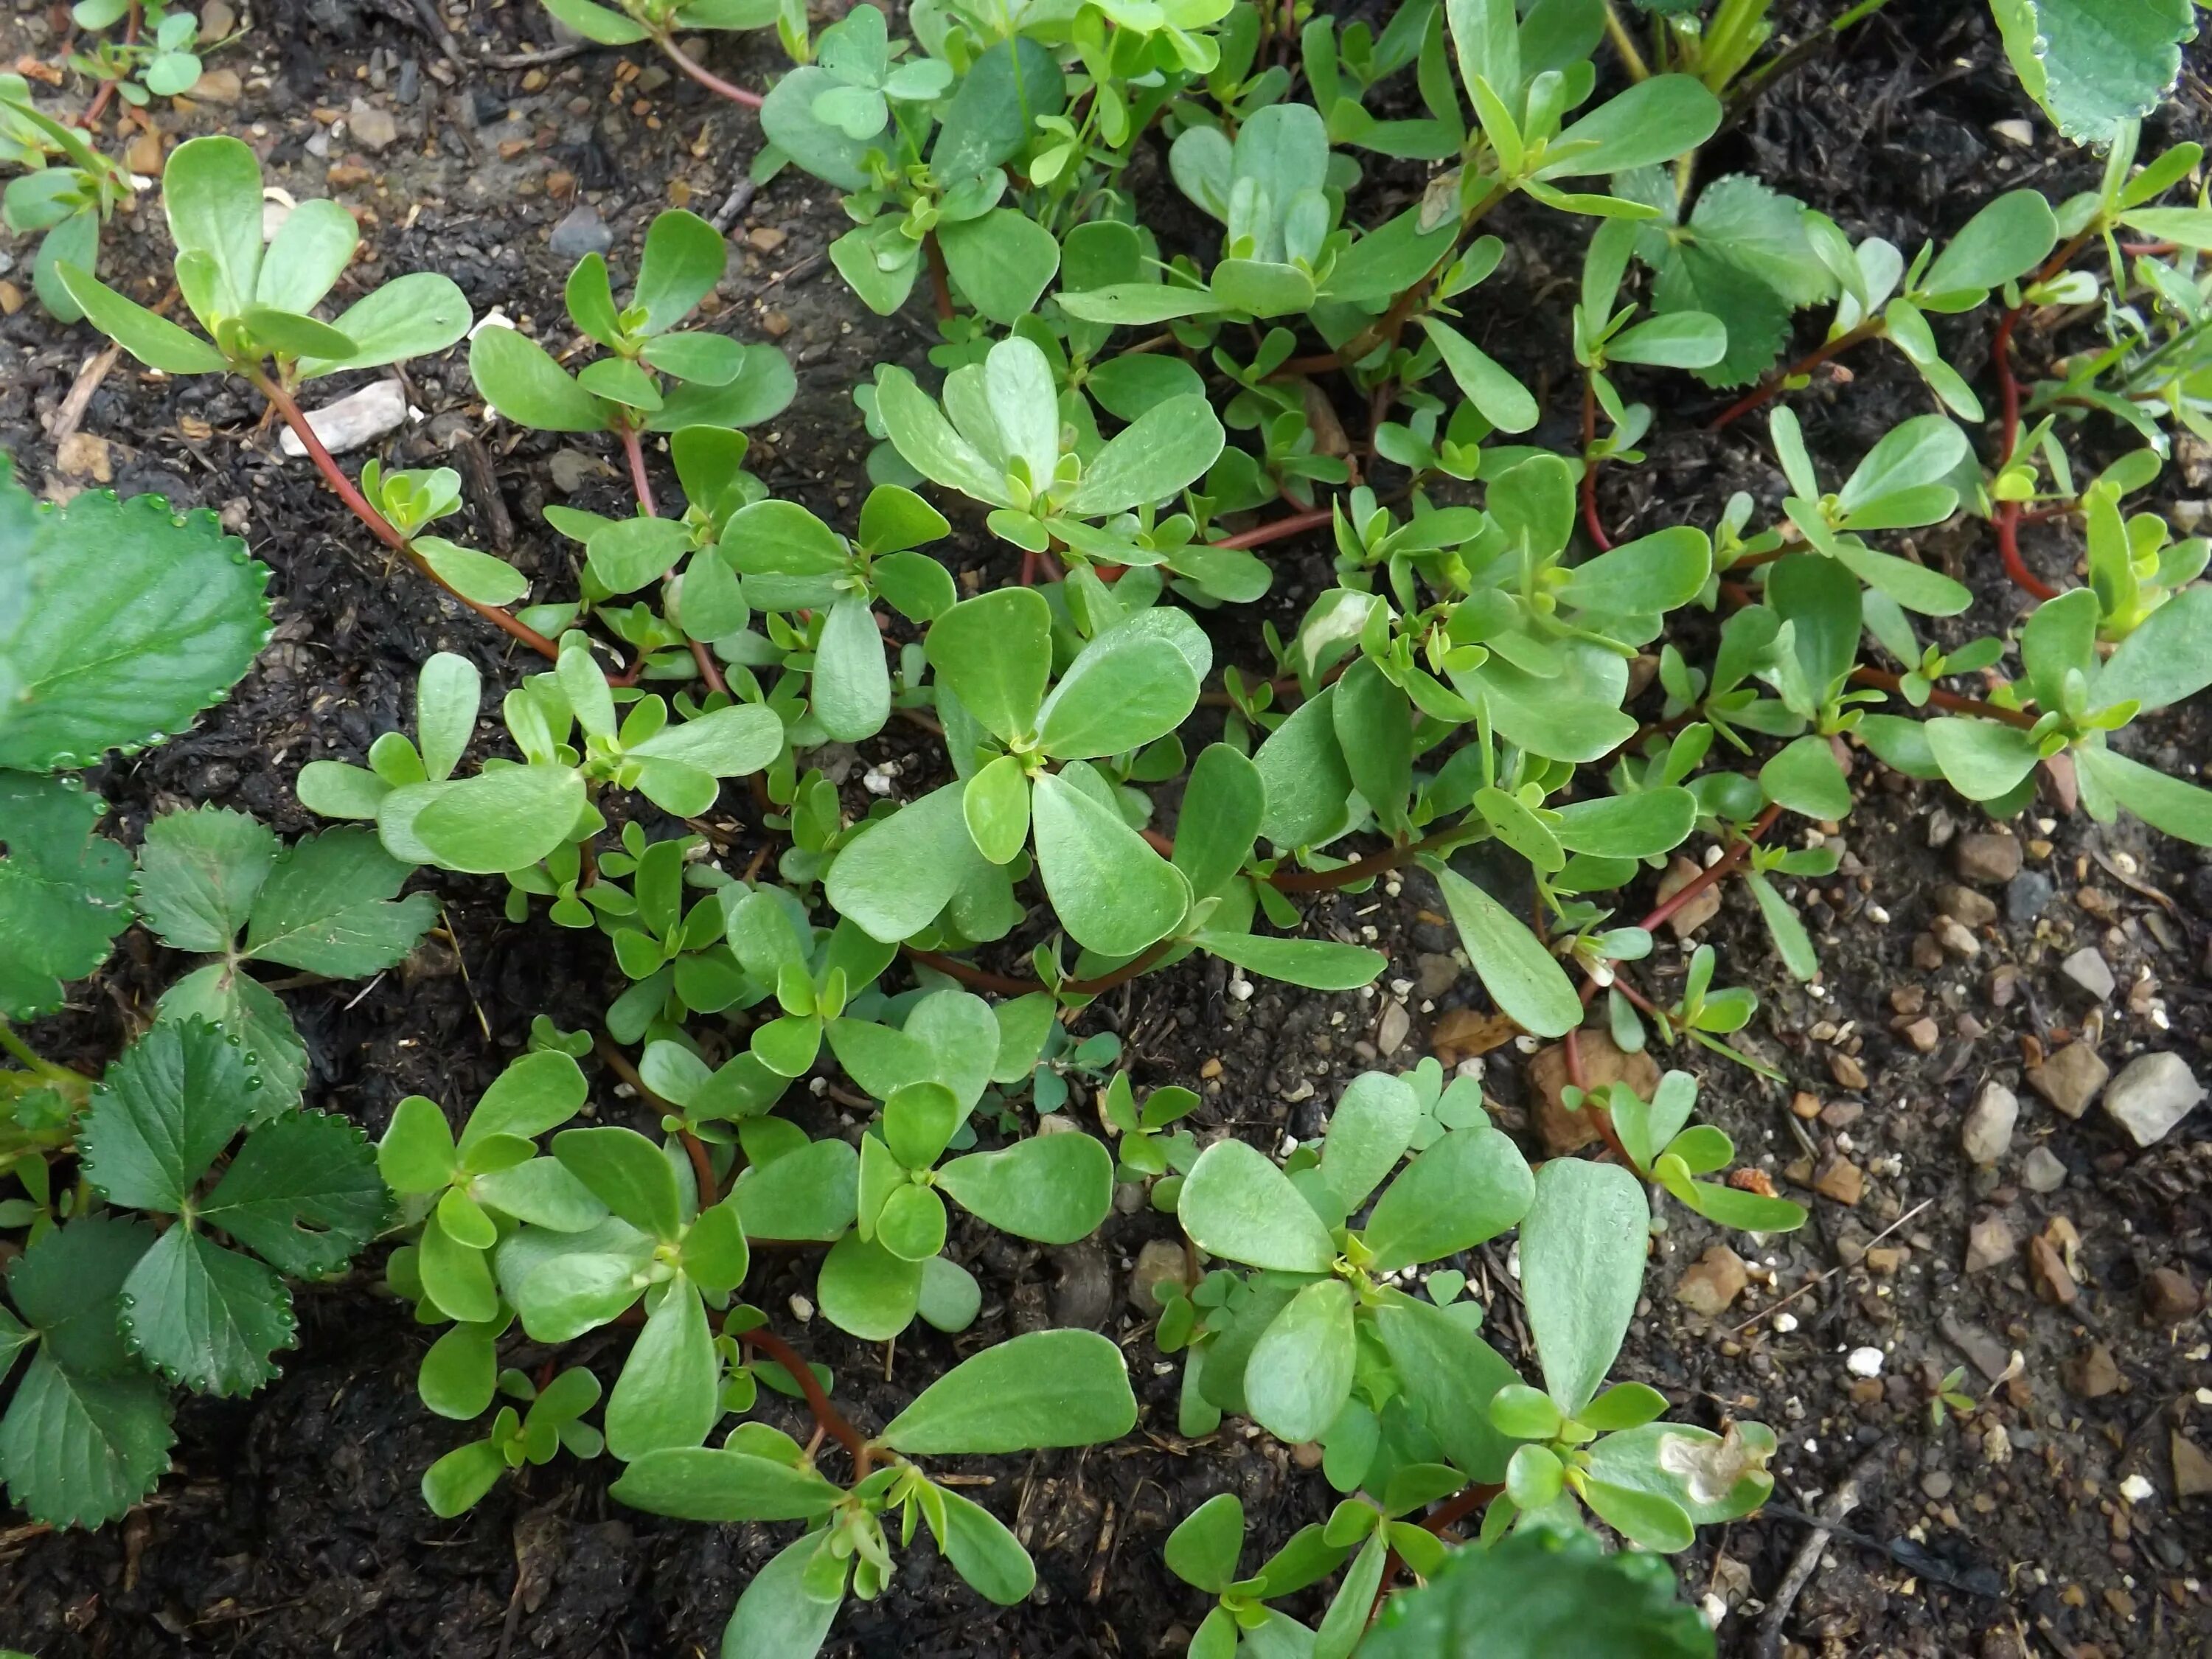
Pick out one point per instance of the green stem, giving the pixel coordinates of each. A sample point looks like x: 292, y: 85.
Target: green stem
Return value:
x: 14, y: 1045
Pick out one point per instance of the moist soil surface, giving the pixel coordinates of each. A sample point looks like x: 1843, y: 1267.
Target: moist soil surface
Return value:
x: 292, y: 1524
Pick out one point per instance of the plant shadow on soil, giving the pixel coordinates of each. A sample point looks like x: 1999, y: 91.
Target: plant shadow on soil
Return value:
x: 292, y: 1523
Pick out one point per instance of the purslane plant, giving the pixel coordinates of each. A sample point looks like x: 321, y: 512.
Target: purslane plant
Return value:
x: 1460, y: 679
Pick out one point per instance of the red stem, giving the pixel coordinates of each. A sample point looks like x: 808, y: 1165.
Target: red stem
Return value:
x: 1884, y: 680
x: 705, y: 76
x: 1279, y: 529
x: 982, y: 979
x: 839, y: 1427
x: 1765, y: 392
x: 334, y: 476
x: 940, y: 279
x: 634, y: 447
x: 1590, y: 465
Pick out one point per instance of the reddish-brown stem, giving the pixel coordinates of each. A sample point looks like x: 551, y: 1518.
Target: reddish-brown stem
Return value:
x: 1765, y: 391
x: 839, y: 1427
x: 334, y: 476
x: 705, y: 76
x: 105, y: 95
x: 2006, y: 516
x: 940, y: 279
x: 1446, y: 1514
x: 1590, y: 465
x: 1279, y: 529
x: 633, y: 448
x: 1950, y: 702
x: 1715, y: 871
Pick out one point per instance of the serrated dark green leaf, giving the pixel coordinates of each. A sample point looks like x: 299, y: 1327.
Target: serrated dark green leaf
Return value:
x: 138, y: 619
x: 303, y: 1194
x: 327, y: 908
x: 226, y: 995
x: 78, y: 1450
x: 204, y: 1316
x: 162, y: 1113
x: 198, y: 873
x: 63, y: 891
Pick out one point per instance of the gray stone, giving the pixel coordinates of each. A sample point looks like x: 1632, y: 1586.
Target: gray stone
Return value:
x: 2088, y: 968
x: 372, y: 128
x: 1987, y: 858
x: 1162, y: 1261
x: 2028, y: 895
x: 1990, y: 1242
x: 1438, y: 974
x: 2152, y: 1093
x: 1987, y: 1131
x: 2042, y: 1171
x: 581, y: 232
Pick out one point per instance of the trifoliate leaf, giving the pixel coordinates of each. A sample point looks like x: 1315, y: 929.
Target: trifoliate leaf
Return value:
x: 326, y: 908
x: 62, y: 890
x: 204, y: 1316
x: 303, y: 1194
x: 138, y: 619
x: 199, y: 874
x: 162, y: 1114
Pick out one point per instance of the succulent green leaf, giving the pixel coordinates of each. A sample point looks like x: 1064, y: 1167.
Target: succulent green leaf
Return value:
x: 1110, y: 890
x: 1524, y: 979
x: 1301, y: 1370
x: 1582, y: 1245
x: 1054, y: 1189
x: 1235, y: 1203
x: 1045, y: 1389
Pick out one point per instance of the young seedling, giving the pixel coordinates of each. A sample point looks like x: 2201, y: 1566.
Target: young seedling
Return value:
x: 1049, y: 1389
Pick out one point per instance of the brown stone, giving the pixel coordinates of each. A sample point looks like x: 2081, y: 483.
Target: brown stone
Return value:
x: 1710, y: 1283
x: 766, y: 239
x: 2192, y: 1470
x: 1989, y: 859
x: 2048, y: 1268
x: 2070, y: 1079
x: 1847, y: 1071
x: 2170, y: 1296
x: 1563, y: 1131
x: 1964, y: 905
x: 1806, y: 1106
x: 1886, y: 1260
x: 2091, y: 1374
x: 1923, y: 1035
x: 1699, y: 910
x: 85, y: 455
x: 1841, y: 1180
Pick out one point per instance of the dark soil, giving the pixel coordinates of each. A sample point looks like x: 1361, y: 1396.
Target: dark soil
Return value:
x: 292, y: 1525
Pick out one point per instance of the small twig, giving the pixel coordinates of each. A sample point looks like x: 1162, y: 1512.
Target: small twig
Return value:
x: 1841, y: 1502
x: 433, y: 26
x: 1816, y: 1284
x: 525, y: 60
x: 70, y: 414
x: 734, y: 203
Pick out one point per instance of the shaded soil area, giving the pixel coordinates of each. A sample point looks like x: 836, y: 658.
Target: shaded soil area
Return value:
x: 292, y: 1523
